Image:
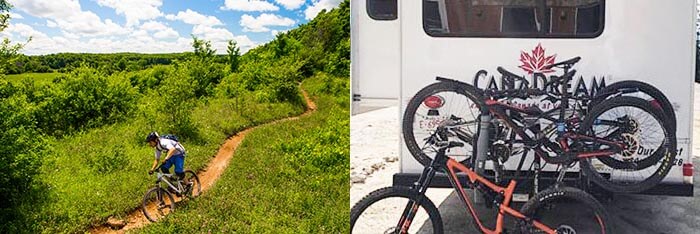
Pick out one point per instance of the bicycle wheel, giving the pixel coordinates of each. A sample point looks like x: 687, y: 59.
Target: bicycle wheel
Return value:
x: 431, y: 107
x: 381, y: 212
x: 650, y: 147
x: 157, y: 203
x: 645, y: 91
x: 555, y: 208
x: 192, y: 186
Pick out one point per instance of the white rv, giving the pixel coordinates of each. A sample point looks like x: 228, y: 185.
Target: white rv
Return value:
x: 399, y: 47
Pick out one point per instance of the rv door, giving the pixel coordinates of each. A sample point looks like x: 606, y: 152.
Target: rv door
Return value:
x: 375, y: 53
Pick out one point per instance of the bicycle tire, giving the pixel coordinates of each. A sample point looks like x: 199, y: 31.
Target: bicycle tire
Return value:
x: 146, y: 202
x: 538, y: 205
x: 645, y: 88
x: 408, y: 130
x: 196, y: 188
x: 652, y: 159
x: 664, y: 155
x: 395, y: 192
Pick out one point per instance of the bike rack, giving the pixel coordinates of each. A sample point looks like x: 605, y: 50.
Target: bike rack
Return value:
x: 482, y: 144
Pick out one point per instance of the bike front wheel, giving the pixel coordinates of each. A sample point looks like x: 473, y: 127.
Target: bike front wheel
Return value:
x: 385, y: 211
x: 157, y: 203
x: 192, y: 186
x: 566, y: 210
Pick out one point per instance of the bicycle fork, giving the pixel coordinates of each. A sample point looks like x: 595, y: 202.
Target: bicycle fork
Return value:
x: 420, y: 187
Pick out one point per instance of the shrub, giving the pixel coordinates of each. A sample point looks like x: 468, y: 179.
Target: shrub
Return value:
x: 20, y: 150
x: 85, y: 99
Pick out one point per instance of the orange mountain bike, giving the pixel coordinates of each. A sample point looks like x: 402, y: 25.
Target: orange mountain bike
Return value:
x: 400, y: 209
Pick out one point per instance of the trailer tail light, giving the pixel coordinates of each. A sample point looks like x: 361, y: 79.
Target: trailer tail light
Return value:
x: 688, y: 173
x: 434, y: 102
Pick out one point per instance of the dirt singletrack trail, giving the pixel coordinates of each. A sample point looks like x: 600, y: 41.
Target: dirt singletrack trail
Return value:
x: 207, y: 176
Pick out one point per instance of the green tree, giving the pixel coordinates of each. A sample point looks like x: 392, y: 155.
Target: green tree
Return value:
x: 202, y: 48
x: 8, y: 54
x: 281, y: 45
x: 5, y: 15
x: 234, y: 54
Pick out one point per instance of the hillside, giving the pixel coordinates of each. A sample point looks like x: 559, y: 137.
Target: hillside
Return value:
x: 73, y: 153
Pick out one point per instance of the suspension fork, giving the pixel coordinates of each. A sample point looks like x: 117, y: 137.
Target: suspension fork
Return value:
x: 420, y: 187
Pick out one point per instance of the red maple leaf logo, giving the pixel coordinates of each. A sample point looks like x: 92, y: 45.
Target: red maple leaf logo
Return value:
x: 537, y: 61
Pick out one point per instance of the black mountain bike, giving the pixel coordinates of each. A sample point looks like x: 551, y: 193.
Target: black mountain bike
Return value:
x: 624, y: 143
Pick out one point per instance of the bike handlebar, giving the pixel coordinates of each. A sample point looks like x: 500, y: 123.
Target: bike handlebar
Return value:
x: 568, y: 63
x: 512, y: 76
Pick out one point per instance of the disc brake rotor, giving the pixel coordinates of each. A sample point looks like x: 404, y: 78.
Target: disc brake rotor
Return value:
x: 631, y: 146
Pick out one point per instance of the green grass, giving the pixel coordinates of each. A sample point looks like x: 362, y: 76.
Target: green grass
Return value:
x: 289, y: 177
x: 99, y: 173
x: 39, y: 78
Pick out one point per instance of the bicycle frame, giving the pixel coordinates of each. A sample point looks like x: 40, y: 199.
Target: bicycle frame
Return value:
x: 451, y: 167
x: 161, y: 175
x: 498, y: 109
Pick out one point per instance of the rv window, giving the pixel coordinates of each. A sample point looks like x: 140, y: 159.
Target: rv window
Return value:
x: 382, y: 9
x: 513, y: 18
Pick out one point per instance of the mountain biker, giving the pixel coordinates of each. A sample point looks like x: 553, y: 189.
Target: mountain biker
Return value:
x: 175, y: 154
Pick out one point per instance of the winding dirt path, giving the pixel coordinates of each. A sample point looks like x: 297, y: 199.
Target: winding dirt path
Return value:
x: 207, y: 176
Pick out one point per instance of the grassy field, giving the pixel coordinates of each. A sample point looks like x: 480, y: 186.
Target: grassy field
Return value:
x: 102, y: 172
x: 39, y: 78
x: 290, y: 177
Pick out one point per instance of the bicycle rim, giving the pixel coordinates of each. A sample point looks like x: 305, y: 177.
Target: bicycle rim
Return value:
x: 194, y: 188
x: 382, y: 210
x: 157, y: 203
x: 433, y: 106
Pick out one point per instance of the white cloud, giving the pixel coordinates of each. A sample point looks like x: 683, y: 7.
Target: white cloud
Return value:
x: 260, y: 23
x: 51, y: 24
x: 275, y: 32
x: 14, y: 15
x: 170, y: 33
x: 211, y: 33
x: 134, y: 10
x: 161, y: 30
x: 318, y: 5
x: 244, y: 43
x: 249, y: 5
x: 68, y: 16
x: 194, y: 18
x: 22, y: 30
x: 291, y: 4
x: 83, y: 31
x: 208, y: 28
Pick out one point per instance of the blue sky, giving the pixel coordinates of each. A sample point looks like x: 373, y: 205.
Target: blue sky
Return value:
x: 153, y: 26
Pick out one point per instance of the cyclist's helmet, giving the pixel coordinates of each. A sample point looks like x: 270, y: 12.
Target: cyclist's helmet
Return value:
x: 152, y: 136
